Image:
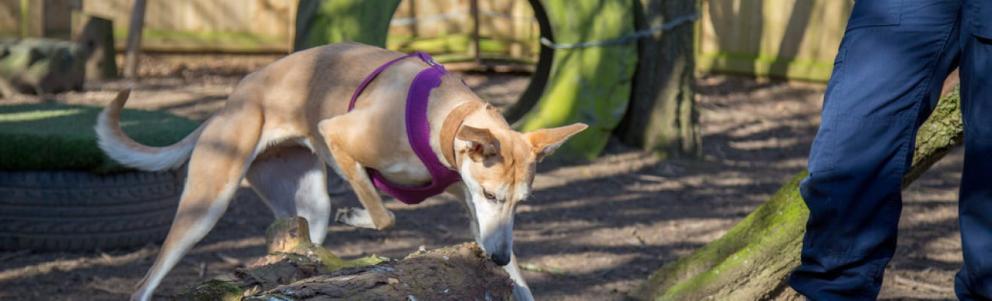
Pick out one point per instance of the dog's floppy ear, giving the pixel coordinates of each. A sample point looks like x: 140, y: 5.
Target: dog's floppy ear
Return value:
x: 544, y: 142
x: 482, y: 143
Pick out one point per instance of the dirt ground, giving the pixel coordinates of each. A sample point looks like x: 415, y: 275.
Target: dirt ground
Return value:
x: 592, y: 231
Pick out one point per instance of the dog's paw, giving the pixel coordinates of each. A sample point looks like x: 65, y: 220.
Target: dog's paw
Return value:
x: 355, y: 217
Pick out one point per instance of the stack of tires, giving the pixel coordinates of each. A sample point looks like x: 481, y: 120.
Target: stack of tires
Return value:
x: 79, y: 211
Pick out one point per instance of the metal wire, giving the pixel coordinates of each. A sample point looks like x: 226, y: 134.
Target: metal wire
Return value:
x: 634, y: 36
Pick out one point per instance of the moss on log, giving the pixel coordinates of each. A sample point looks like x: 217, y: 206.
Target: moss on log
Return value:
x: 752, y: 260
x: 296, y: 269
x: 943, y: 131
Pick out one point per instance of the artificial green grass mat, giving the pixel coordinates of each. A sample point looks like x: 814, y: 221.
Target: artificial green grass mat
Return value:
x: 60, y: 137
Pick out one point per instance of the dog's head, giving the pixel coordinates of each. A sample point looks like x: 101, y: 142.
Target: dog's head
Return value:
x: 497, y: 166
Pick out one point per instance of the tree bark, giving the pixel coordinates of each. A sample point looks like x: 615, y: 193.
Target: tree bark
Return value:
x: 662, y: 114
x: 133, y: 47
x: 751, y: 261
x: 296, y: 269
x: 97, y: 40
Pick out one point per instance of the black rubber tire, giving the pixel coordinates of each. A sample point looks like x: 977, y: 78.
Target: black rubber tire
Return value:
x: 82, y: 211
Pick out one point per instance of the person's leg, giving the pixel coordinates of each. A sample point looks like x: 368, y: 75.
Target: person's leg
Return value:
x: 887, y: 77
x: 974, y: 281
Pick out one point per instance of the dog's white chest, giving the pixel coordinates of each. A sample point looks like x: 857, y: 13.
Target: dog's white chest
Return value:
x: 407, y: 173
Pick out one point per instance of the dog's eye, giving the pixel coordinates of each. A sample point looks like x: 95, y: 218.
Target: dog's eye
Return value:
x: 489, y: 195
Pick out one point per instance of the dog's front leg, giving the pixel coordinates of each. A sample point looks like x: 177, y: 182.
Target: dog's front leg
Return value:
x: 375, y: 215
x: 521, y: 292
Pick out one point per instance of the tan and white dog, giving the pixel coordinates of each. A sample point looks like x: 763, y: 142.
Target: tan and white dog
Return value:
x: 284, y: 123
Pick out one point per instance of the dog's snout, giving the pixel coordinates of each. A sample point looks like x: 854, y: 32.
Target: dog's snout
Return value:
x: 500, y: 259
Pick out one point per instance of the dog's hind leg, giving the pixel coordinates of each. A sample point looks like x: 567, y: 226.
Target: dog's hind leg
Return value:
x: 216, y: 167
x: 293, y: 182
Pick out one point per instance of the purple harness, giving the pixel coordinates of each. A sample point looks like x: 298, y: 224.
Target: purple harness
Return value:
x: 418, y: 133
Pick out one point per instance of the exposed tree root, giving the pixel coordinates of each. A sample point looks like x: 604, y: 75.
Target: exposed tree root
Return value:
x: 752, y: 260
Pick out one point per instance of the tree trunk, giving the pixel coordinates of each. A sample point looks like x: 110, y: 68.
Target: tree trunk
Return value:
x: 97, y: 40
x: 588, y: 83
x: 662, y: 113
x: 751, y: 261
x: 133, y: 47
x: 296, y: 269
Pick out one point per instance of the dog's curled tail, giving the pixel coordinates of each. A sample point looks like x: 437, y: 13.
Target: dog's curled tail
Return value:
x: 118, y: 146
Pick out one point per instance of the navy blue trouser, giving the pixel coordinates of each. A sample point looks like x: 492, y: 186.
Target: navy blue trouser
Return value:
x: 886, y: 80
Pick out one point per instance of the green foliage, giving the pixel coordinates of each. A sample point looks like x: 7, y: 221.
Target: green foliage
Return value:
x: 346, y: 20
x: 590, y: 85
x: 57, y: 136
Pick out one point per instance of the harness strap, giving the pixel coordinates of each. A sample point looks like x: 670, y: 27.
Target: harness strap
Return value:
x: 418, y: 132
x: 375, y: 73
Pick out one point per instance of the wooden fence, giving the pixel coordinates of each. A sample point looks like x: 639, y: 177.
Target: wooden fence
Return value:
x: 49, y: 18
x: 507, y: 28
x: 197, y: 25
x: 795, y: 39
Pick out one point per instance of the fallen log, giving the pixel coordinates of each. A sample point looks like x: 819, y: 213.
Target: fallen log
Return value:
x: 752, y: 260
x: 296, y: 269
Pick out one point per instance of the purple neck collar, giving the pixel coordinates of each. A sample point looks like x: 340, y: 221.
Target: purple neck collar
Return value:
x: 418, y: 133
